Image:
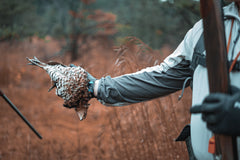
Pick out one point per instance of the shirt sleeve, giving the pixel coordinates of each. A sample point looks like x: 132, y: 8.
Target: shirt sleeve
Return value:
x: 151, y: 82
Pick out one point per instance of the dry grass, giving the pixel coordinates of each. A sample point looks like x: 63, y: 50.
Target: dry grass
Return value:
x: 146, y: 130
x: 140, y: 131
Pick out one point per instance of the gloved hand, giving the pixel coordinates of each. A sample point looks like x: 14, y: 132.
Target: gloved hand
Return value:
x: 221, y: 112
x: 91, y: 81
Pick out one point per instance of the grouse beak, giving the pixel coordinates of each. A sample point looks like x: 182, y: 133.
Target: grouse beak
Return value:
x: 80, y: 115
x: 81, y: 112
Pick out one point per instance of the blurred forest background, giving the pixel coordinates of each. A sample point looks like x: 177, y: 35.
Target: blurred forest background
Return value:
x: 106, y: 38
x: 155, y: 22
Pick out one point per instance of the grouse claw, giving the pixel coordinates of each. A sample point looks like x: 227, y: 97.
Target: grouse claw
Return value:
x: 53, y: 86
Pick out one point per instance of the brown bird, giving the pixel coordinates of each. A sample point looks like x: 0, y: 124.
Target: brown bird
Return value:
x: 71, y: 83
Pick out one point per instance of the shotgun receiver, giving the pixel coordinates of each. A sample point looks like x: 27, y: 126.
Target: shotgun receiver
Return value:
x: 216, y: 61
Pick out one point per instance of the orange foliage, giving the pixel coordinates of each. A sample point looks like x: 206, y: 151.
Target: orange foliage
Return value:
x: 79, y: 14
x: 106, y: 22
x: 73, y: 13
x: 88, y: 1
x: 101, y: 16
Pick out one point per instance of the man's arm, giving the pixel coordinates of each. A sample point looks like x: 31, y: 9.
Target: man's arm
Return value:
x: 152, y: 82
x: 144, y: 85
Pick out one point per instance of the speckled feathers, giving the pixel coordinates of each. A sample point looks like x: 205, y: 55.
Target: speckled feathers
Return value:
x: 71, y: 84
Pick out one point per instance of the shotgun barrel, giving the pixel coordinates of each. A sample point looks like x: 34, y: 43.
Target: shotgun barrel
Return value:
x: 19, y: 113
x: 216, y: 61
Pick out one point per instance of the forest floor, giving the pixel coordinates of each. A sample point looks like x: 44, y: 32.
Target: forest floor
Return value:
x: 140, y: 131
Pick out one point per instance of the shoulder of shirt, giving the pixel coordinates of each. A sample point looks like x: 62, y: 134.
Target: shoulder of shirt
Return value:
x: 228, y: 10
x: 194, y: 34
x: 198, y: 27
x: 231, y: 10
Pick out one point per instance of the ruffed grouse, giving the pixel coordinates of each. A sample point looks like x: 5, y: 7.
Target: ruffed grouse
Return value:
x: 72, y: 85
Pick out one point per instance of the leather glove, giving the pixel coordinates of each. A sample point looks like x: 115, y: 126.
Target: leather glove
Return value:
x: 221, y: 112
x: 91, y: 81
